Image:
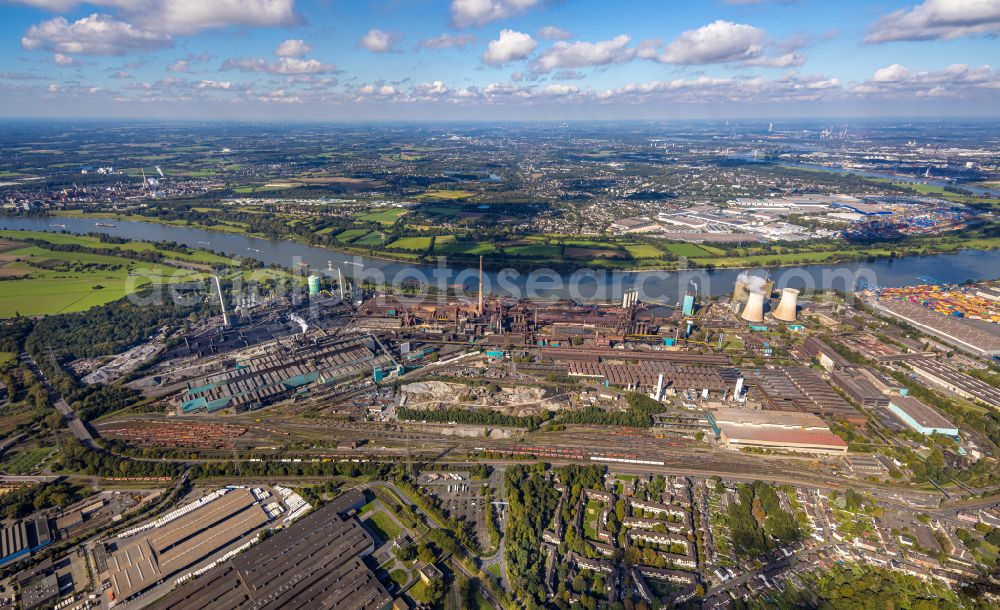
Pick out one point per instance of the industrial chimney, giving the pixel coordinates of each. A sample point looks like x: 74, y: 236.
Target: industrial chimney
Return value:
x: 754, y: 311
x: 786, y: 307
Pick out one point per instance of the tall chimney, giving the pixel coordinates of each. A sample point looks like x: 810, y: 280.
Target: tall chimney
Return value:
x: 480, y: 284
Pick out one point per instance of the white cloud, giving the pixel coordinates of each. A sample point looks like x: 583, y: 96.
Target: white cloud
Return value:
x: 718, y: 42
x: 97, y: 34
x: 551, y: 32
x: 468, y: 13
x: 434, y: 88
x: 559, y: 90
x: 280, y: 96
x: 181, y: 65
x: 704, y: 89
x: 292, y: 47
x: 937, y: 19
x: 189, y: 16
x: 957, y: 80
x: 510, y: 46
x: 786, y: 60
x: 64, y: 60
x: 285, y: 65
x: 582, y: 54
x: 447, y: 41
x: 379, y: 90
x: 378, y: 41
x: 216, y: 85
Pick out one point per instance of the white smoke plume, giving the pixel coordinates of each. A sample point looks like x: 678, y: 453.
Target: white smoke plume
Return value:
x: 754, y: 283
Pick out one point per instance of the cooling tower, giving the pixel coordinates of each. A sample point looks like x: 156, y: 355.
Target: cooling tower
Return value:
x: 754, y: 311
x: 786, y: 307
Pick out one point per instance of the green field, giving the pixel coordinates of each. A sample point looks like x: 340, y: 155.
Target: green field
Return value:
x: 382, y: 523
x: 446, y: 194
x: 410, y: 243
x: 643, y: 251
x: 386, y: 217
x: 26, y: 461
x: 61, y: 282
x: 454, y: 247
x: 350, y: 235
x: 536, y: 250
x: 688, y: 250
x: 400, y: 577
x: 6, y: 357
x: 371, y: 240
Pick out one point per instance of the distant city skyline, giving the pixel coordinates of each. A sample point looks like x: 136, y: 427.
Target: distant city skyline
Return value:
x: 497, y: 59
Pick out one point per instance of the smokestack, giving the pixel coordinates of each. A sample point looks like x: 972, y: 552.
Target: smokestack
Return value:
x: 658, y: 394
x: 340, y: 282
x: 786, y: 307
x: 480, y: 285
x: 754, y: 311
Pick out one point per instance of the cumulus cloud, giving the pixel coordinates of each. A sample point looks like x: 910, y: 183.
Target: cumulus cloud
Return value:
x: 583, y: 54
x: 64, y: 60
x: 957, y: 80
x: 285, y: 65
x: 937, y: 19
x: 706, y: 89
x: 96, y: 34
x: 378, y: 90
x: 435, y: 88
x: 378, y: 41
x: 189, y: 16
x: 510, y: 46
x: 469, y: 13
x: 718, y: 42
x: 447, y: 41
x: 292, y: 47
x: 181, y: 65
x: 551, y: 32
x: 559, y: 90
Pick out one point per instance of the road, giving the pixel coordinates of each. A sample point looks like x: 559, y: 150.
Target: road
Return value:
x: 76, y: 426
x: 500, y: 557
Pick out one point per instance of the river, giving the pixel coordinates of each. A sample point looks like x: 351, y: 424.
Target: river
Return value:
x: 657, y: 286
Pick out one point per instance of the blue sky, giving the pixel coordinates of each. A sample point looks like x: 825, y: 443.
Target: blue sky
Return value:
x: 499, y: 59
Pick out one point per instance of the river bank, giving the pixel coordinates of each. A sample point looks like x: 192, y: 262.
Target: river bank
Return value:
x: 586, y: 285
x: 783, y: 256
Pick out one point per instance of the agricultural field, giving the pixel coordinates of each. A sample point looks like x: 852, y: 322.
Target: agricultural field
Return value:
x: 371, y: 240
x: 688, y: 250
x: 643, y: 251
x: 446, y: 194
x: 350, y: 235
x: 387, y: 216
x: 411, y: 243
x: 50, y: 282
x: 536, y: 250
x: 474, y: 248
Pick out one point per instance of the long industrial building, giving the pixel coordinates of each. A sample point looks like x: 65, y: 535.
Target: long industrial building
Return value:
x: 315, y: 564
x: 140, y: 563
x: 975, y: 338
x: 799, y: 432
x: 801, y: 389
x: 920, y: 417
x: 956, y: 381
x: 23, y: 538
x: 644, y: 375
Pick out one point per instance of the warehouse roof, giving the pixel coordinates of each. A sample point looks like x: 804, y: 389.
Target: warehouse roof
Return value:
x: 315, y: 563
